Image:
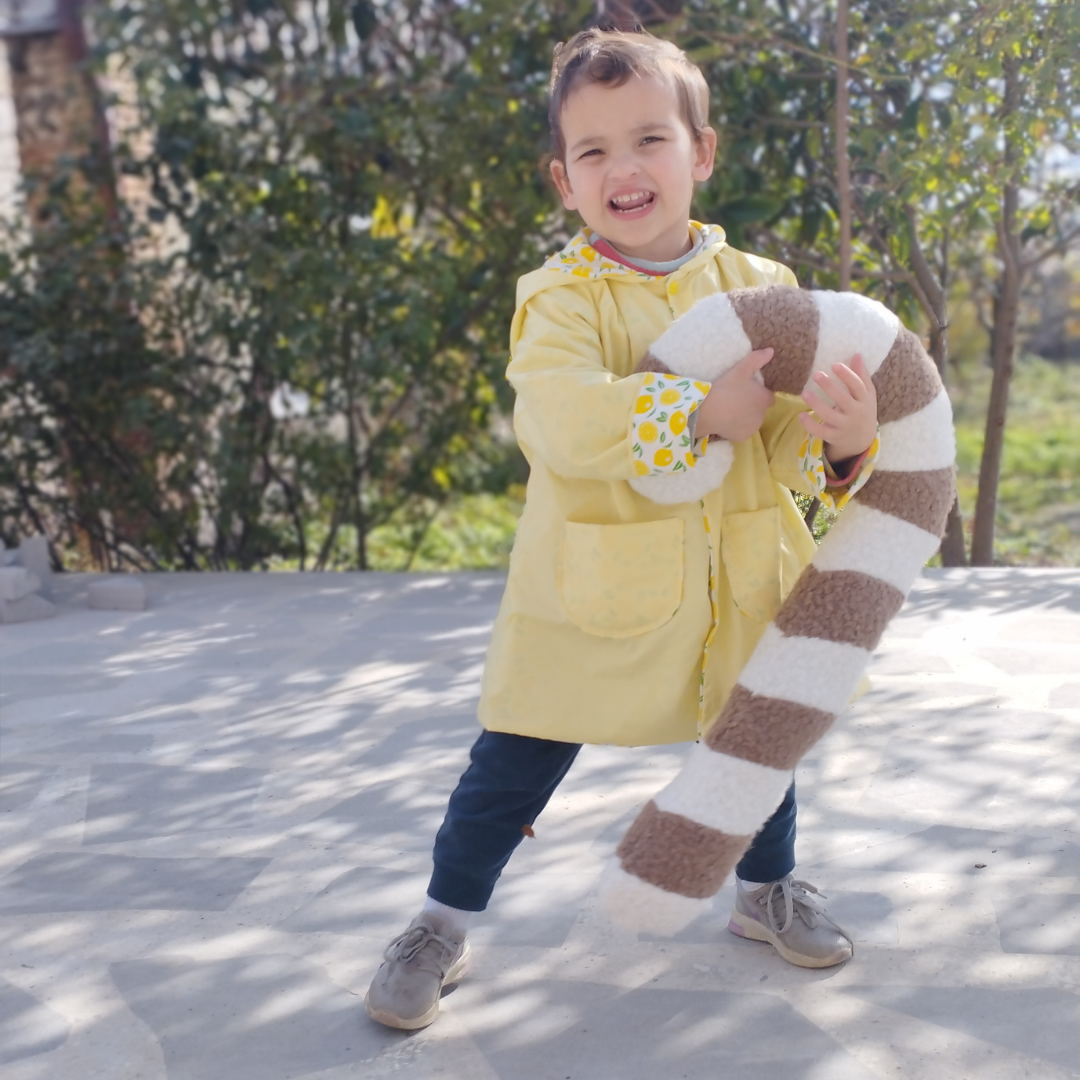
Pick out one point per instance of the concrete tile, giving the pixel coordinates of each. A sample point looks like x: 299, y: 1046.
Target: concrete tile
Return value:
x: 330, y: 749
x: 21, y: 783
x: 1065, y: 696
x: 370, y: 900
x: 1039, y: 1023
x: 947, y: 849
x: 81, y: 881
x: 1045, y: 658
x: 273, y: 1017
x: 1039, y: 923
x: 130, y: 802
x: 104, y: 744
x: 22, y: 686
x: 27, y: 1028
x: 544, y: 1030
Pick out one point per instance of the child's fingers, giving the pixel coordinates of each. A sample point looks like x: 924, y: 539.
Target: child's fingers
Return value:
x: 813, y: 426
x: 852, y: 381
x: 858, y: 365
x: 754, y: 361
x: 825, y: 390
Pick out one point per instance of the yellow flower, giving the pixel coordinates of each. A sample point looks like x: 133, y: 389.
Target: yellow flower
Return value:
x: 643, y: 404
x: 662, y: 457
x: 678, y: 423
x: 642, y: 468
x: 647, y: 432
x: 669, y: 397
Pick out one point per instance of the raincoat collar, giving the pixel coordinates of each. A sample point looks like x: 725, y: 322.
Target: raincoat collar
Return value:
x: 580, y: 259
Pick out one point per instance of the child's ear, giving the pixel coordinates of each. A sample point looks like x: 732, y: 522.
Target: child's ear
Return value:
x: 562, y: 182
x: 704, y: 155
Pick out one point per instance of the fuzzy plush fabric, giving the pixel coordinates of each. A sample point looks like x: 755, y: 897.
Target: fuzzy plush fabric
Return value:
x: 634, y: 903
x: 680, y: 487
x: 706, y: 347
x: 679, y: 854
x: 924, y: 440
x: 725, y: 792
x: 768, y: 730
x: 809, y: 660
x: 877, y: 544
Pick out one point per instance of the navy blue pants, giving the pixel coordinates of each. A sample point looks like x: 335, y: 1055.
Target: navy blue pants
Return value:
x: 508, y: 783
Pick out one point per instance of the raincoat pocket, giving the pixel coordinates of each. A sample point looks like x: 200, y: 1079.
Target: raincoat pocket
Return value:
x: 619, y: 581
x: 750, y: 548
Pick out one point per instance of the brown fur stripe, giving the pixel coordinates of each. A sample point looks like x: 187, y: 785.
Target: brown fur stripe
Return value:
x: 922, y: 498
x: 785, y: 319
x: 674, y: 853
x: 768, y: 731
x: 907, y: 380
x: 840, y: 605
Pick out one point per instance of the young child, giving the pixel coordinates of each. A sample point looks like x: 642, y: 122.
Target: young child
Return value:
x: 625, y: 621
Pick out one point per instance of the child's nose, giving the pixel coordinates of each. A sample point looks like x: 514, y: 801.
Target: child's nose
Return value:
x: 626, y: 164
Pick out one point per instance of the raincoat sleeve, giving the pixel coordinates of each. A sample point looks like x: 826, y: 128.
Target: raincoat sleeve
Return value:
x: 580, y: 418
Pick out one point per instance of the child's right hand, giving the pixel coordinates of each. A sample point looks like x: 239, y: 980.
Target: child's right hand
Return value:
x: 736, y: 405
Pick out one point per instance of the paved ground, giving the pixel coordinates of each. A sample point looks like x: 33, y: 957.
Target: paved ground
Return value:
x: 215, y: 813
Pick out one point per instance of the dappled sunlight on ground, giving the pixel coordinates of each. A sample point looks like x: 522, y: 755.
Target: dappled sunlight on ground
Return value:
x: 218, y: 811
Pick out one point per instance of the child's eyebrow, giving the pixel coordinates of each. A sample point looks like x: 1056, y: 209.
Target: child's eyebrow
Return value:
x: 641, y: 129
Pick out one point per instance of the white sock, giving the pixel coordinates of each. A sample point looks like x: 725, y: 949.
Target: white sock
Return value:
x: 750, y: 886
x: 455, y: 918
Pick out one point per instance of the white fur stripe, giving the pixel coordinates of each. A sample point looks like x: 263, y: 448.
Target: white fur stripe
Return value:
x: 726, y: 793
x: 707, y: 475
x: 870, y: 542
x: 923, y: 440
x: 808, y: 671
x: 705, y: 342
x: 850, y: 323
x: 634, y: 904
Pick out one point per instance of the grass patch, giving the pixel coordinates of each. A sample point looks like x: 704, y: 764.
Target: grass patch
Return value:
x: 1038, y: 514
x: 1038, y: 511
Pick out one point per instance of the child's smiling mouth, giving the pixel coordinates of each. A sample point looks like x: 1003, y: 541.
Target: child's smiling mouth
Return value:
x: 632, y: 202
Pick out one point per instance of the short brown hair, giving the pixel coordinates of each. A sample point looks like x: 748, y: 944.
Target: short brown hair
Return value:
x: 611, y: 57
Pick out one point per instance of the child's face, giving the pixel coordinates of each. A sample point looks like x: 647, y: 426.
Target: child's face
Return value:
x: 631, y: 164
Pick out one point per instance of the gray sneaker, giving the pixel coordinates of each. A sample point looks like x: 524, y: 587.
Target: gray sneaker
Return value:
x: 406, y: 989
x: 794, y: 922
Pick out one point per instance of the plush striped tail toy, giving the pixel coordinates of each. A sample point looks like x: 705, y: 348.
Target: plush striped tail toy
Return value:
x: 687, y: 839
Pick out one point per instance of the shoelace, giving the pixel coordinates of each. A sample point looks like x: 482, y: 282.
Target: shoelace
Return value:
x: 413, y: 945
x: 797, y: 900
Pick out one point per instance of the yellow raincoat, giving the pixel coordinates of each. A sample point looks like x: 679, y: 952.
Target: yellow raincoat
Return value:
x: 625, y: 621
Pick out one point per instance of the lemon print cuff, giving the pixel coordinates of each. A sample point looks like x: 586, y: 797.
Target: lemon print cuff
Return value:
x: 659, y: 423
x: 812, y: 465
x: 818, y: 474
x: 836, y: 498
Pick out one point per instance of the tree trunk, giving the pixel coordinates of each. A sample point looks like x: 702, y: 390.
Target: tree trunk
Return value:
x: 843, y: 166
x: 933, y: 298
x: 1006, y: 311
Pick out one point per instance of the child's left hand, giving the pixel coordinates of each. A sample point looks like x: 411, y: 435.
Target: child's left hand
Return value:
x: 848, y: 424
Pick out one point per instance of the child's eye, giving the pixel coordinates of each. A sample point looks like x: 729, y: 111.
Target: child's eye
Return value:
x: 590, y: 153
x: 653, y: 138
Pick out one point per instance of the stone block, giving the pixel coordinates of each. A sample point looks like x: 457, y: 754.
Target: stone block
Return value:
x: 33, y: 554
x: 117, y: 594
x: 27, y: 609
x: 17, y: 582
